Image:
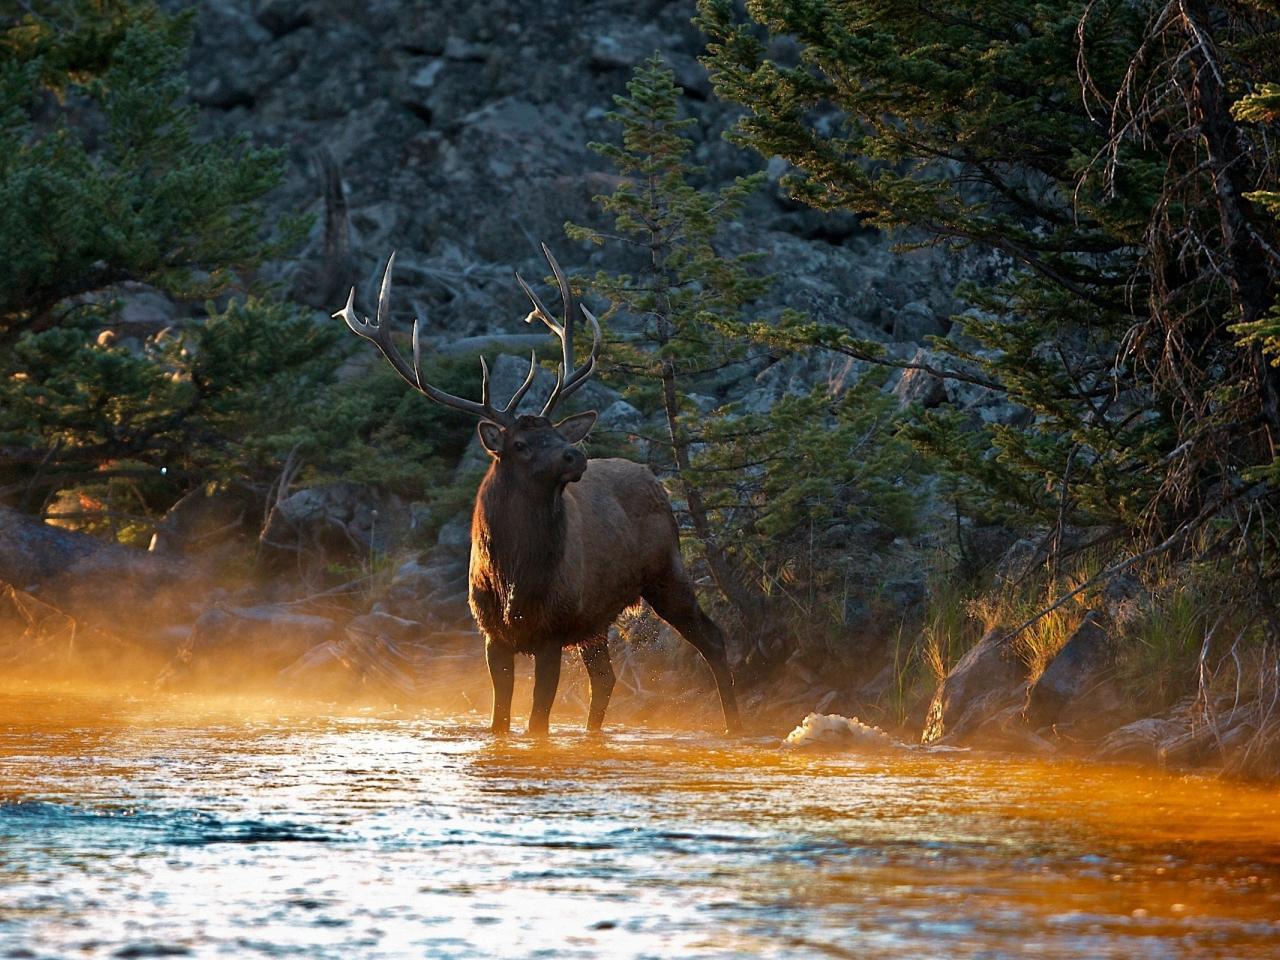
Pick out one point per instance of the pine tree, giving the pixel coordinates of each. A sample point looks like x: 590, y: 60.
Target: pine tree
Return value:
x: 103, y: 180
x: 754, y: 487
x: 672, y: 224
x: 1256, y: 109
x: 1089, y: 145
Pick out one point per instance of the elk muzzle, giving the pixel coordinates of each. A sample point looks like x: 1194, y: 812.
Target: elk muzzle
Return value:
x: 575, y: 465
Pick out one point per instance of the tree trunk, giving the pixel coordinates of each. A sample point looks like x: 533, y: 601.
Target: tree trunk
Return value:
x: 725, y: 577
x: 1248, y: 265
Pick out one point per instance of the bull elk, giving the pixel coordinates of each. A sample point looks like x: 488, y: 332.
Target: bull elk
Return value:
x: 560, y: 544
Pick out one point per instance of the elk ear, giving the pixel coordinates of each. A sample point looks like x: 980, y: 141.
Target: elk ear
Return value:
x: 577, y: 427
x: 491, y: 437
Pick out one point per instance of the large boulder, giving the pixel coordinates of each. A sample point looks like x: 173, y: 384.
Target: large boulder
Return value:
x: 920, y: 387
x: 334, y: 524
x: 620, y: 417
x: 112, y: 588
x: 213, y: 517
x: 231, y: 647
x: 1076, y: 691
x: 432, y: 592
x: 987, y: 680
x: 916, y: 320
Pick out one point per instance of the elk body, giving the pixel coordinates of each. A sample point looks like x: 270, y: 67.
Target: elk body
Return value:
x: 560, y: 544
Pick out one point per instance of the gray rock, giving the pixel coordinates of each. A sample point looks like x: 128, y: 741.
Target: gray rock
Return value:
x: 284, y: 16
x: 854, y: 612
x: 233, y: 78
x: 456, y: 48
x: 1021, y: 557
x: 333, y: 523
x: 1124, y: 600
x: 920, y: 386
x: 1143, y: 741
x: 450, y: 608
x: 791, y: 376
x: 1075, y: 689
x: 985, y: 544
x: 691, y: 75
x: 432, y: 594
x: 987, y: 405
x: 518, y: 344
x: 915, y: 321
x: 425, y: 77
x: 620, y: 417
x: 420, y: 580
x: 455, y: 535
x: 625, y: 49
x: 375, y: 224
x: 209, y: 517
x: 906, y: 595
x: 234, y: 646
x: 987, y: 679
x: 146, y: 307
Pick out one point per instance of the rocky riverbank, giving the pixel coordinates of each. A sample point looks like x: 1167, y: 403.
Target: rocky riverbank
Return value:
x: 408, y: 640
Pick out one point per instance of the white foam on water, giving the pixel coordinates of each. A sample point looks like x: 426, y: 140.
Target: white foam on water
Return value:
x: 828, y: 730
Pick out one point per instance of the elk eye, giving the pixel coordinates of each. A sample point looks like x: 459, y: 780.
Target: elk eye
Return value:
x: 520, y: 446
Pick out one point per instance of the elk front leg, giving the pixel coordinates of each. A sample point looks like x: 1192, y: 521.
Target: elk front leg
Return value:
x: 546, y: 677
x: 595, y: 657
x: 502, y: 671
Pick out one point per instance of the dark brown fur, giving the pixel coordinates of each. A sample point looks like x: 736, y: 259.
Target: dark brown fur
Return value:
x: 559, y: 547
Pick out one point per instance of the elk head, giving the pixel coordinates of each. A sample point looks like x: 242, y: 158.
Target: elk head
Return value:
x: 529, y: 445
x: 540, y: 450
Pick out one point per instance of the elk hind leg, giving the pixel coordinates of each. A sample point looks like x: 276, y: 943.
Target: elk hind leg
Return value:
x: 674, y: 601
x: 595, y: 657
x: 546, y: 677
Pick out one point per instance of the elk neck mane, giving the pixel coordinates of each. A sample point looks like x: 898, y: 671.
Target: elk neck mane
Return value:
x: 522, y: 538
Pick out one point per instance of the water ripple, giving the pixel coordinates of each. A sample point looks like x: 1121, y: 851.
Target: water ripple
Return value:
x: 124, y: 836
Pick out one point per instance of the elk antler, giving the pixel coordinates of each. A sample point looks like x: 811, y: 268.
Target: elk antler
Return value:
x: 378, y: 332
x: 568, y: 379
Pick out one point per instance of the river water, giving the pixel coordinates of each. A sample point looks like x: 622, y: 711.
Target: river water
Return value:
x: 151, y: 828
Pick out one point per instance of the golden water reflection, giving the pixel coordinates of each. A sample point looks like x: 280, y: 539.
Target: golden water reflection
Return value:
x: 219, y: 830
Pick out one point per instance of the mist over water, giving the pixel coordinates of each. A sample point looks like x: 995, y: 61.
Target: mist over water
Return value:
x: 164, y: 827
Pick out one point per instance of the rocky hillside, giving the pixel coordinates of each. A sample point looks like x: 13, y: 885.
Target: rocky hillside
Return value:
x: 459, y: 132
